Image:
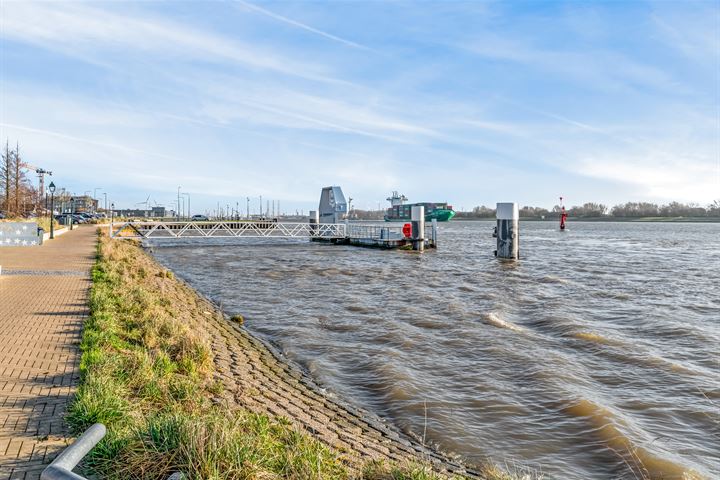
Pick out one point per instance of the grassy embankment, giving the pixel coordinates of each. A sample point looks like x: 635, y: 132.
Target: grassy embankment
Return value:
x: 147, y: 374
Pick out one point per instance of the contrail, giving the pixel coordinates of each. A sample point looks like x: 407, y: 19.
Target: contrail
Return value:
x: 570, y: 121
x: 302, y: 25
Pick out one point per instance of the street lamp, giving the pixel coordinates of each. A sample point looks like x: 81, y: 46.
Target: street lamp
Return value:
x: 112, y: 215
x: 52, y: 209
x: 95, y: 198
x: 72, y: 210
x: 178, y: 215
x: 187, y: 212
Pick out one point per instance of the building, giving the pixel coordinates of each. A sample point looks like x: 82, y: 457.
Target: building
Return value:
x: 83, y: 204
x: 154, y: 212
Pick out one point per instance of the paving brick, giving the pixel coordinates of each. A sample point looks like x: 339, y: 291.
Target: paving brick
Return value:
x: 42, y: 310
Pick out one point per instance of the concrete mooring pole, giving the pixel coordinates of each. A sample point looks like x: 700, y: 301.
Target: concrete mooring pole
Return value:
x: 508, y: 231
x: 417, y: 219
x: 314, y: 220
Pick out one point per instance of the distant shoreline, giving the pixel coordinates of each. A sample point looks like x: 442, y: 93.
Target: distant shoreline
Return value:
x: 609, y: 219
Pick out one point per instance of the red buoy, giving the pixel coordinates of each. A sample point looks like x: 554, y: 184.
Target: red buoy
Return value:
x: 563, y: 215
x: 407, y: 230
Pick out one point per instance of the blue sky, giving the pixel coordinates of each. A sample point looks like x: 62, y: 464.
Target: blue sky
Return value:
x: 467, y: 102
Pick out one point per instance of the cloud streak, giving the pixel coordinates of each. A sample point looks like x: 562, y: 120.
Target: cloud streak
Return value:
x: 302, y: 26
x: 84, y: 32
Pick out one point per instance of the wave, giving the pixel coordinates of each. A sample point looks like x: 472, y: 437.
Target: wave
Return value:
x: 552, y: 279
x: 493, y: 319
x: 608, y: 428
x: 594, y: 338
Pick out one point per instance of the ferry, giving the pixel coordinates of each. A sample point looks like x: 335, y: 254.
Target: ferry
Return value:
x: 400, y: 212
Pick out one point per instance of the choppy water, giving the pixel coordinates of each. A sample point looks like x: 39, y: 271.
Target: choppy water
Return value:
x: 595, y: 356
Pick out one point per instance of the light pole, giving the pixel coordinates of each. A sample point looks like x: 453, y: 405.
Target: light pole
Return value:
x: 72, y: 210
x: 248, y: 208
x: 52, y: 209
x: 178, y: 213
x: 187, y: 212
x: 95, y: 198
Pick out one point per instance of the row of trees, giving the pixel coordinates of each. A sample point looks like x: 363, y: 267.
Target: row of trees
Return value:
x: 17, y: 195
x: 625, y: 210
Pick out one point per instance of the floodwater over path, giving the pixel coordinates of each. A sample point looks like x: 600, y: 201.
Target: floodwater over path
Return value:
x: 594, y: 356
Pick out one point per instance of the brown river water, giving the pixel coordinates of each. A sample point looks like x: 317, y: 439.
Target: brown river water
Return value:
x: 594, y: 356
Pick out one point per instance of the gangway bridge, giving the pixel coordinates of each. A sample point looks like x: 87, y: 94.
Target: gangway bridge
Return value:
x: 385, y: 236
x: 225, y: 229
x: 325, y: 225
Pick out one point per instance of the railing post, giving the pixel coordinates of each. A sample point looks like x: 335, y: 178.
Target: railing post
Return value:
x: 434, y: 232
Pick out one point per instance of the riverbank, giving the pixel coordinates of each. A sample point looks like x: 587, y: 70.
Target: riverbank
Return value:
x: 605, y: 219
x: 182, y: 388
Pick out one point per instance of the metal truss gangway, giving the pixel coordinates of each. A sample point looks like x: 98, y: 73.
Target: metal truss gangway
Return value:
x: 226, y: 229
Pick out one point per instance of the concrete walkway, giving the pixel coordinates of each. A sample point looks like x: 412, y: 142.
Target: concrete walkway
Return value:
x: 43, y: 303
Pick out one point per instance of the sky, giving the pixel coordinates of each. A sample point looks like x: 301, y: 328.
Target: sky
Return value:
x: 471, y: 103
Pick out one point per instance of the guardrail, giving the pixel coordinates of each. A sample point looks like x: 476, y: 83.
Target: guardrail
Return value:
x: 61, y: 467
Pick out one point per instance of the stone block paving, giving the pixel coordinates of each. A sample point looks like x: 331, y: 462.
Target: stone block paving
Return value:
x: 43, y: 303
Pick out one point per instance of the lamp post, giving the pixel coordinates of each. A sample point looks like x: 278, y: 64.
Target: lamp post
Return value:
x: 52, y: 209
x: 187, y: 212
x: 178, y: 215
x: 95, y: 198
x: 72, y: 210
x: 112, y: 215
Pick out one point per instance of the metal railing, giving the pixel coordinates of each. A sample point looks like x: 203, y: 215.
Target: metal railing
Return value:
x: 219, y: 229
x: 383, y: 232
x: 375, y: 231
x: 61, y: 467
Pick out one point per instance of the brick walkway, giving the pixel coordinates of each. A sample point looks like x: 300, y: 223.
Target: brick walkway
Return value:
x: 43, y: 302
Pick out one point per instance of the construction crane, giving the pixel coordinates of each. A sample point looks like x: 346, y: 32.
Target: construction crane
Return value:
x: 41, y: 172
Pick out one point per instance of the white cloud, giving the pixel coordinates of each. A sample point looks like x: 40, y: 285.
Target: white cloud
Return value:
x: 660, y: 177
x: 90, y: 33
x: 596, y: 67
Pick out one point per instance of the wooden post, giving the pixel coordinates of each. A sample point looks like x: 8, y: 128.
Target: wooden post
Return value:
x: 508, y: 231
x: 417, y: 219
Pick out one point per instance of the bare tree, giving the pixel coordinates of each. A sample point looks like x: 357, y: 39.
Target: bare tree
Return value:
x: 17, y: 177
x: 14, y: 184
x: 6, y: 176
